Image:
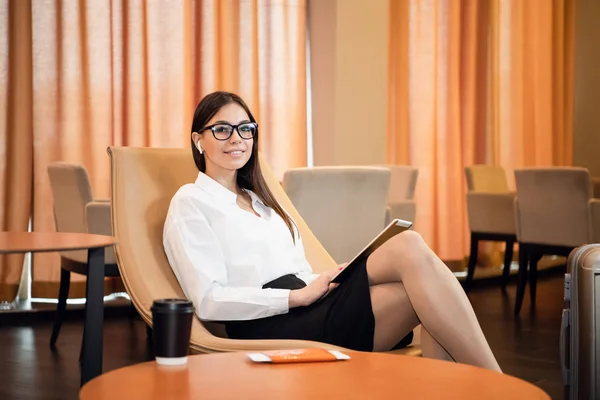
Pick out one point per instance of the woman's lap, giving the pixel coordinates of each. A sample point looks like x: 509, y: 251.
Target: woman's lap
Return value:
x: 343, y: 318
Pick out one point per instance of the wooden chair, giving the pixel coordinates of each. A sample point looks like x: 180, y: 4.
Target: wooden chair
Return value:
x: 555, y: 213
x: 143, y: 182
x: 401, y: 199
x: 344, y: 206
x: 76, y: 210
x: 490, y: 208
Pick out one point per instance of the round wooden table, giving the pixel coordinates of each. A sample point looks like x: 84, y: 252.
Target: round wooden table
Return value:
x: 364, y: 376
x: 37, y: 242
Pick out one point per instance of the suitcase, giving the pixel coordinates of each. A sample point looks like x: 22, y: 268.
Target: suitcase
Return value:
x: 580, y: 326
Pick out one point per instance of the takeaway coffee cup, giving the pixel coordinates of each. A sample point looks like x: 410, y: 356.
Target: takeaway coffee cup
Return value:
x: 172, y: 327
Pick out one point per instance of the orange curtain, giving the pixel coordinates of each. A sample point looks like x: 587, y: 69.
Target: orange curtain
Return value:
x: 15, y: 133
x: 131, y: 73
x: 476, y: 82
x: 535, y: 83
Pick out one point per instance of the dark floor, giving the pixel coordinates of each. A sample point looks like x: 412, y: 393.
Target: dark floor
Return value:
x: 526, y: 347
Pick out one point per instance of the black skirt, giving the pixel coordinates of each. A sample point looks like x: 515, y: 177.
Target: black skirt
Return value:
x: 343, y: 318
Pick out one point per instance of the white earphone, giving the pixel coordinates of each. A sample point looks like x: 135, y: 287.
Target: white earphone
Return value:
x: 199, y: 147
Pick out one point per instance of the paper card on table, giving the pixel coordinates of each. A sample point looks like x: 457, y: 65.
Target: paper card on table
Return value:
x: 298, y: 356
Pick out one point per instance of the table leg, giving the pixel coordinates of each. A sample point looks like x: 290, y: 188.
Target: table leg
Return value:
x: 91, y: 365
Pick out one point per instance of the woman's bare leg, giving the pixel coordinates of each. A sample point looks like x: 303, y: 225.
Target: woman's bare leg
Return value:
x: 436, y: 297
x: 395, y: 318
x: 431, y: 348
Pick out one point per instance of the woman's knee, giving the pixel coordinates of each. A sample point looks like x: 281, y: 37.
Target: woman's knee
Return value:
x: 402, y: 252
x: 408, y: 241
x: 408, y: 249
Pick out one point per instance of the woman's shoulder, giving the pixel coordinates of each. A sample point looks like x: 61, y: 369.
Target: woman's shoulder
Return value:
x: 189, y: 195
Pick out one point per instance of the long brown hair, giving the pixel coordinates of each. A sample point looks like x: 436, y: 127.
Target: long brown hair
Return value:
x: 250, y: 176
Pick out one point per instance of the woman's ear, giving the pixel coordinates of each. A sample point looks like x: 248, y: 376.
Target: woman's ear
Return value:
x: 196, y: 138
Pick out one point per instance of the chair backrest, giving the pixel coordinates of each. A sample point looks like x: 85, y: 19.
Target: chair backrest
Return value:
x: 552, y: 205
x: 486, y: 178
x: 71, y: 191
x: 345, y: 207
x: 143, y: 182
x: 403, y: 181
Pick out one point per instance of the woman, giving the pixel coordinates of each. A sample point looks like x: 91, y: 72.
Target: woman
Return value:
x: 239, y: 257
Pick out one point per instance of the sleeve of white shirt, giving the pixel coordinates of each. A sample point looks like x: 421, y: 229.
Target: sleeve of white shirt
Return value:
x: 196, y: 258
x: 306, y: 272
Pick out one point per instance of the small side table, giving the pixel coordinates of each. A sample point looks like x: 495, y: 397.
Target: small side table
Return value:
x: 364, y: 376
x: 37, y: 242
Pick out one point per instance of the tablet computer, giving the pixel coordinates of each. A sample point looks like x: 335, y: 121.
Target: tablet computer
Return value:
x: 394, y: 228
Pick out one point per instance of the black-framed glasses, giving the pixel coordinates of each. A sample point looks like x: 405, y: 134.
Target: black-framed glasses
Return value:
x: 223, y: 130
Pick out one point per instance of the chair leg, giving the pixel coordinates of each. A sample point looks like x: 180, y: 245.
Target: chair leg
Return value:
x: 149, y: 334
x: 522, y: 280
x: 85, y: 309
x: 80, y: 359
x: 533, y: 262
x: 472, y: 261
x: 132, y: 311
x: 508, y: 255
x: 63, y: 294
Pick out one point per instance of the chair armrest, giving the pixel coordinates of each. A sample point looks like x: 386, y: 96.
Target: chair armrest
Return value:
x: 596, y: 187
x: 98, y: 221
x: 406, y: 210
x: 491, y: 212
x: 102, y: 200
x: 97, y: 217
x: 594, y: 206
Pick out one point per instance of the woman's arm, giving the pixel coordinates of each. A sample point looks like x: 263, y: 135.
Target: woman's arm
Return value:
x: 315, y: 290
x: 196, y: 258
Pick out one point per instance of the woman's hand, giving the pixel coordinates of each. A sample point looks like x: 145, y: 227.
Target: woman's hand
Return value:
x: 315, y: 290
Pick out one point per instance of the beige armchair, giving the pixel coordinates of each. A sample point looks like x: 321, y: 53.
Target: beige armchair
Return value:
x: 596, y: 187
x: 344, y: 207
x: 490, y: 209
x: 554, y: 213
x: 75, y: 210
x: 401, y: 203
x: 143, y: 182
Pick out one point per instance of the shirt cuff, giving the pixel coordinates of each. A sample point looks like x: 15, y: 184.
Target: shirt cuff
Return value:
x: 308, y: 278
x: 279, y: 300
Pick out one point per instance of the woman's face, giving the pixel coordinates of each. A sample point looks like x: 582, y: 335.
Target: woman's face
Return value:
x: 233, y: 152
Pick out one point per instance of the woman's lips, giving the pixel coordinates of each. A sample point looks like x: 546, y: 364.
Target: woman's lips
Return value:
x: 235, y: 153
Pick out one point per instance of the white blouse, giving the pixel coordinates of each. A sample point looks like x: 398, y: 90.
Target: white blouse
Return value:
x: 222, y: 255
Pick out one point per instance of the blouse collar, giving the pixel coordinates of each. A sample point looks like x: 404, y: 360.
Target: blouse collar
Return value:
x: 214, y: 188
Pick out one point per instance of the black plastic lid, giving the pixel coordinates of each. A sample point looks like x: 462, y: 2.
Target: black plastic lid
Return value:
x: 178, y: 305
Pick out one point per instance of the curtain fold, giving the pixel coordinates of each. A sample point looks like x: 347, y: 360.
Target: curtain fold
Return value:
x: 536, y: 89
x: 476, y: 82
x: 131, y: 73
x: 15, y: 133
x: 398, y: 134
